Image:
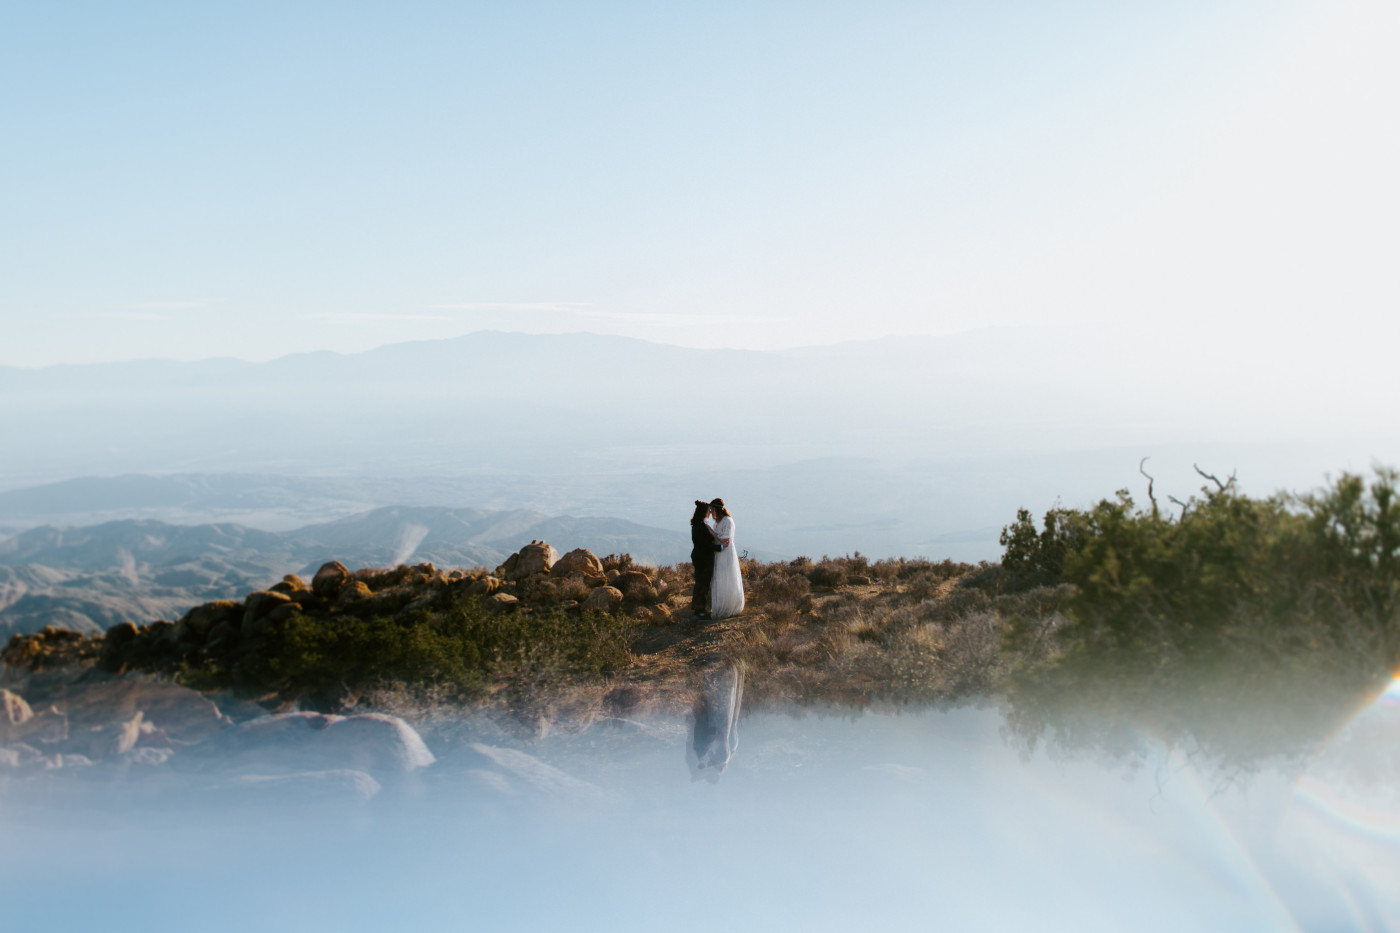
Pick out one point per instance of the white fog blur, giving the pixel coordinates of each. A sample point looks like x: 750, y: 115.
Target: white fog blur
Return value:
x: 822, y: 821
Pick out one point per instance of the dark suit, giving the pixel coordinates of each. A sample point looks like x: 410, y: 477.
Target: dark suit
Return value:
x: 703, y: 548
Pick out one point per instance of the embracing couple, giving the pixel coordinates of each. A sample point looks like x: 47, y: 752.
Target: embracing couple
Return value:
x: 719, y: 586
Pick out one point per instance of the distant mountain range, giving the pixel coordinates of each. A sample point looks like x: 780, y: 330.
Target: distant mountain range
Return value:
x: 921, y: 446
x: 539, y: 404
x: 90, y: 578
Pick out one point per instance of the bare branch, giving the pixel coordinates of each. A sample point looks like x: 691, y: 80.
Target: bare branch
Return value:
x: 1150, y: 481
x: 1185, y: 506
x: 1215, y: 479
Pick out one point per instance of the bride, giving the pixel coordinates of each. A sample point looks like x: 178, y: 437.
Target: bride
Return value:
x: 727, y: 587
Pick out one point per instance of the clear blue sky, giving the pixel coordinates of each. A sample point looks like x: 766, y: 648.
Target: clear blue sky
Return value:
x: 252, y: 179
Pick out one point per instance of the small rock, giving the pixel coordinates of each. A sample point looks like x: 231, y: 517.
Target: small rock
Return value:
x: 501, y: 600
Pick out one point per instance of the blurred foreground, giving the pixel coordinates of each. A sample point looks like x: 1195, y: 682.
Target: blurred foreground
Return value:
x: 822, y: 821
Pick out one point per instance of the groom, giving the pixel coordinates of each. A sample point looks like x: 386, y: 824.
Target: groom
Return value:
x: 702, y: 554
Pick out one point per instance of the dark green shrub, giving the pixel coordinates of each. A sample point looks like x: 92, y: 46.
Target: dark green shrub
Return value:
x: 1235, y: 604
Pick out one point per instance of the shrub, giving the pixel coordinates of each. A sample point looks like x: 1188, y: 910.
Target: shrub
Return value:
x: 460, y: 648
x: 1235, y: 603
x: 619, y: 562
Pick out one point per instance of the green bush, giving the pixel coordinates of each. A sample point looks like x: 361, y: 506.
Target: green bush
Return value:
x: 1232, y: 603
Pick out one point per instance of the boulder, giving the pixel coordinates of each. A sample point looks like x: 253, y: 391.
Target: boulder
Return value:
x: 328, y: 579
x: 501, y: 600
x: 283, y: 612
x: 223, y: 632
x: 351, y: 593
x: 535, y: 557
x: 659, y: 614
x: 630, y: 580
x: 604, y: 599
x: 196, y: 624
x: 257, y: 614
x: 297, y: 742
x: 578, y: 561
x: 261, y: 602
x: 118, y: 637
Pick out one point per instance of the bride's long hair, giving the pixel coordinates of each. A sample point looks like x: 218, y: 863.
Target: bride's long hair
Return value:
x: 718, y: 505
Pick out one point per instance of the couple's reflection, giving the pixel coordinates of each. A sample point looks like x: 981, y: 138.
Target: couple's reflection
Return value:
x: 716, y: 732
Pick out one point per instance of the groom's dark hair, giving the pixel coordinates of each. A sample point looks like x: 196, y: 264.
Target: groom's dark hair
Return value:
x: 701, y: 509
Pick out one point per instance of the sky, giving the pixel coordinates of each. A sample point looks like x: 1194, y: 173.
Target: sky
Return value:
x: 256, y: 179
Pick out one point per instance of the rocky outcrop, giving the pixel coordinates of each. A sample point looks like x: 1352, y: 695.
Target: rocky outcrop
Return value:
x: 535, y: 557
x: 227, y: 643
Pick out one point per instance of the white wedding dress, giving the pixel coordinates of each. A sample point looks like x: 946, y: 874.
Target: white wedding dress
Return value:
x: 727, y: 587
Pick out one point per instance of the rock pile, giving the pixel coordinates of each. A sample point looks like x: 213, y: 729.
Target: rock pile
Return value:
x: 234, y: 635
